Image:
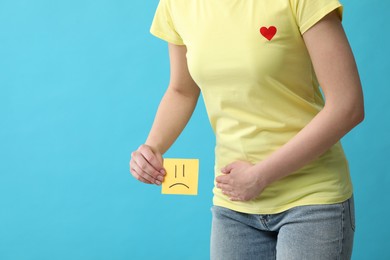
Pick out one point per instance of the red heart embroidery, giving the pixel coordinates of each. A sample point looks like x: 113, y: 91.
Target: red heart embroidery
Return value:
x: 269, y: 32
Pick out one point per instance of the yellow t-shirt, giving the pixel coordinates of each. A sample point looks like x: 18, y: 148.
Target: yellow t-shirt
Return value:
x: 250, y: 61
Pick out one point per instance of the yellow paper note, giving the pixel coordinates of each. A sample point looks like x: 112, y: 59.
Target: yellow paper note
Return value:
x: 182, y: 176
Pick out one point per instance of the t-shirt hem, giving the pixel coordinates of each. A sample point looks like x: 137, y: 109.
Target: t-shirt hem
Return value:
x: 165, y: 37
x: 321, y: 14
x: 279, y: 209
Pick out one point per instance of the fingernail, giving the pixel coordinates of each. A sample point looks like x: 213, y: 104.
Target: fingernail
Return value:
x: 158, y: 183
x: 160, y: 178
x: 162, y: 172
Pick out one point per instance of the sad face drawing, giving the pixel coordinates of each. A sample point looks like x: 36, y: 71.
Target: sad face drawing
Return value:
x: 182, y: 176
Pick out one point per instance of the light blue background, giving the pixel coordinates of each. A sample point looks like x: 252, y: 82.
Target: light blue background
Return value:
x: 79, y: 84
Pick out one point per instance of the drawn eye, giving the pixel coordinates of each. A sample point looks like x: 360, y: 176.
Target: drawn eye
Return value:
x: 183, y: 170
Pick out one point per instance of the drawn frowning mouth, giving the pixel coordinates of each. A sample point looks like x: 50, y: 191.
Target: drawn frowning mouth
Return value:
x: 179, y: 183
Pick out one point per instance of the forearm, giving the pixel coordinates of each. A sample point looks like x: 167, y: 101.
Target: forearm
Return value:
x: 173, y: 114
x: 326, y: 129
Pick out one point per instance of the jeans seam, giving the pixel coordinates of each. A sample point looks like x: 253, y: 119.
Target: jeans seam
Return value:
x: 351, y: 218
x: 264, y: 221
x: 342, y: 231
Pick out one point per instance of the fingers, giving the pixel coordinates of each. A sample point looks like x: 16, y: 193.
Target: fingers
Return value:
x: 146, y: 166
x: 154, y: 160
x: 227, y: 190
x: 222, y: 179
x: 224, y: 184
x: 224, y: 187
x: 140, y: 175
x: 228, y: 168
x: 233, y: 196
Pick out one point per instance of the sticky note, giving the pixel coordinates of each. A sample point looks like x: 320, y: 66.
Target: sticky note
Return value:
x: 182, y: 176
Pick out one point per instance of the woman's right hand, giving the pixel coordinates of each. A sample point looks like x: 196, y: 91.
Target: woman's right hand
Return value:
x: 146, y: 165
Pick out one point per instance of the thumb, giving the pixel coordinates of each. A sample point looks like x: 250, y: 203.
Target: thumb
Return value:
x: 228, y: 168
x: 153, y: 157
x: 161, y: 160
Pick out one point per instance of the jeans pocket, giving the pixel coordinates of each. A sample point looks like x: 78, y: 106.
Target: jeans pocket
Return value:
x: 351, y: 206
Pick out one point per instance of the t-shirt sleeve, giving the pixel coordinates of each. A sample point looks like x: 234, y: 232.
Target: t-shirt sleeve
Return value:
x: 163, y: 25
x: 309, y: 12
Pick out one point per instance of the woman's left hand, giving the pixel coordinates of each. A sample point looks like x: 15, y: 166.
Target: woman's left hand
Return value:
x: 240, y: 182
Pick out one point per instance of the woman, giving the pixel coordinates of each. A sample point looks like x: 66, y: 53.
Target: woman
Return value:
x: 282, y: 187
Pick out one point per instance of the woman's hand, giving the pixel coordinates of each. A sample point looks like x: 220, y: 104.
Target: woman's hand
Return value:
x: 146, y: 165
x: 240, y: 181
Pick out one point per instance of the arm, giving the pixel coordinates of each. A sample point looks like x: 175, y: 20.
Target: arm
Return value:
x: 336, y: 70
x: 174, y: 111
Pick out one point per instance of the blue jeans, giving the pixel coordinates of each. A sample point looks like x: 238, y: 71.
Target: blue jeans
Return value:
x: 315, y: 232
